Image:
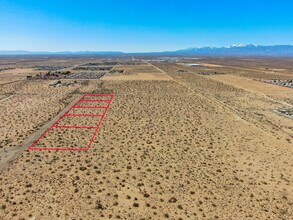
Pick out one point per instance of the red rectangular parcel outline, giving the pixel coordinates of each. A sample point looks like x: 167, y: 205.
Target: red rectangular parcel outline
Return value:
x: 104, y: 98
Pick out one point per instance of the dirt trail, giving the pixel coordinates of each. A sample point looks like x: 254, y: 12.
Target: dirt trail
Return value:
x: 193, y: 90
x: 260, y: 88
x: 7, y: 157
x: 275, y: 71
x: 8, y: 97
x: 237, y: 112
x: 253, y: 91
x: 167, y: 150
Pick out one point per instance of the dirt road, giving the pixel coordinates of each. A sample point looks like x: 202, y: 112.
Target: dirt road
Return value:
x: 7, y: 157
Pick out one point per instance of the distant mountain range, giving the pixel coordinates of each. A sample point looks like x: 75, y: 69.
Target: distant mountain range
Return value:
x: 234, y: 50
x: 241, y: 50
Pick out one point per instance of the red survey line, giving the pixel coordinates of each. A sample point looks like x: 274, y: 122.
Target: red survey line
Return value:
x: 66, y: 114
x: 38, y: 139
x: 79, y: 106
x: 85, y: 100
x: 95, y: 132
x: 56, y: 148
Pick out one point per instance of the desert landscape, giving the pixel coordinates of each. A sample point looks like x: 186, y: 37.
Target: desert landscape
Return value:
x: 183, y: 138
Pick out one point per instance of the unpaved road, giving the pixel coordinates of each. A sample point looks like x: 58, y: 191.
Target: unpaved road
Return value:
x: 7, y: 157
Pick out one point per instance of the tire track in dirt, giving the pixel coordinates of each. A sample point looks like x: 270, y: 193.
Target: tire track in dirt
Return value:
x: 7, y: 157
x: 237, y: 112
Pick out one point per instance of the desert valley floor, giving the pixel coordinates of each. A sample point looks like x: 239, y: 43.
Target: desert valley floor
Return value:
x: 183, y: 138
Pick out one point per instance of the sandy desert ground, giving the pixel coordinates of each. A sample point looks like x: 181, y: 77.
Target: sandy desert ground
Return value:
x: 177, y: 142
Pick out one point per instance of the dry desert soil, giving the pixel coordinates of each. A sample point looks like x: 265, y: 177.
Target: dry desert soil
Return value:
x: 211, y: 141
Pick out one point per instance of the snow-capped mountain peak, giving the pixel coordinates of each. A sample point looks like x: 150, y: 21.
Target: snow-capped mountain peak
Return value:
x: 242, y: 45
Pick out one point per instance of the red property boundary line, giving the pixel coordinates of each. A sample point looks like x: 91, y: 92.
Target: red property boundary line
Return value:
x: 67, y: 114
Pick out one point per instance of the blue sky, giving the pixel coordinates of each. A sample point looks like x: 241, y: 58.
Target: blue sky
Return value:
x: 138, y: 26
